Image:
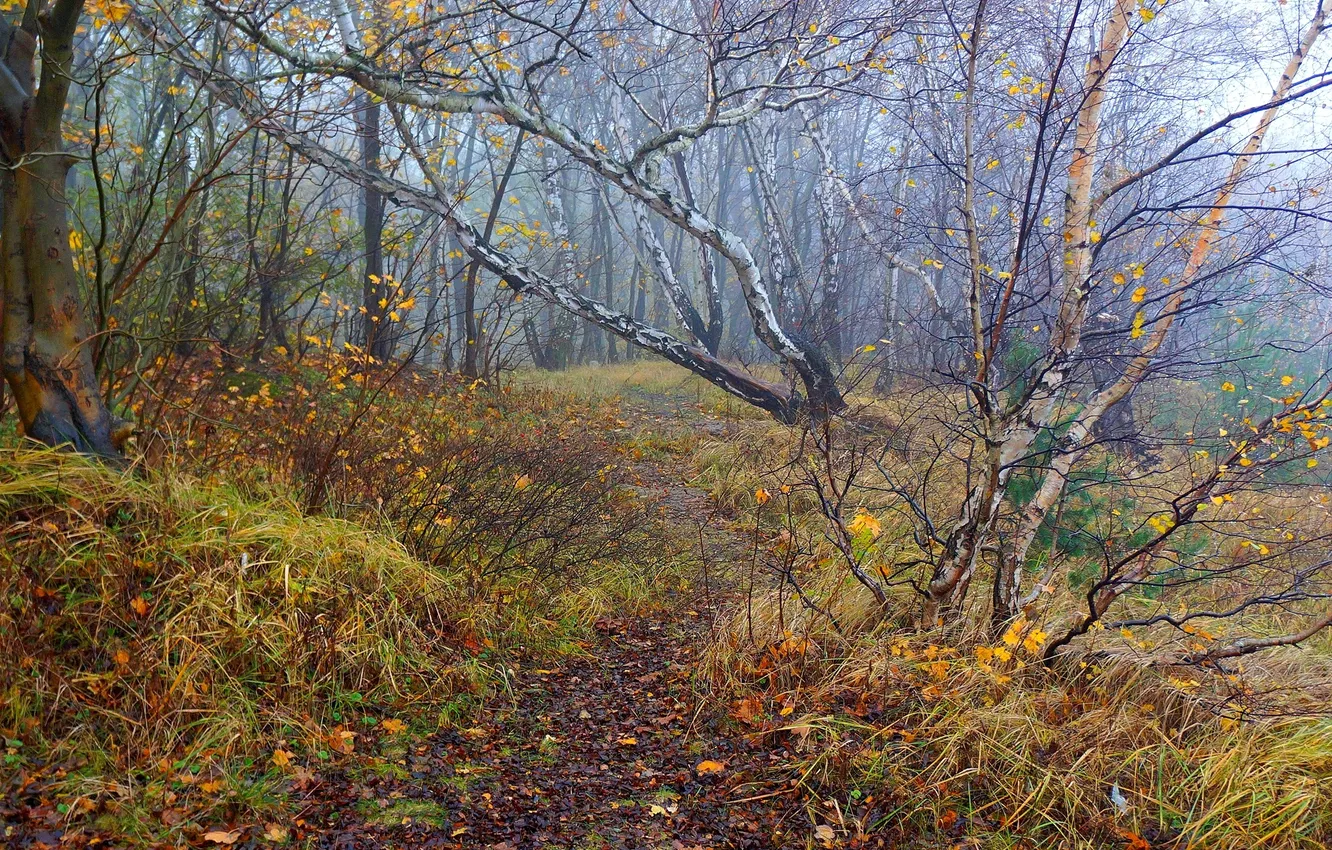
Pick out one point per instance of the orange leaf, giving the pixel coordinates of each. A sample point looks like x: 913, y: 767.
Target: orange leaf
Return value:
x: 710, y: 766
x: 1135, y: 841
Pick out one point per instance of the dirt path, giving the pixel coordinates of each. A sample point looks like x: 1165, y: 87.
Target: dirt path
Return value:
x: 603, y: 752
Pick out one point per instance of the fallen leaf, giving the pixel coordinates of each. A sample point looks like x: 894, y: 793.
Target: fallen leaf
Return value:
x: 825, y: 833
x: 710, y: 766
x: 628, y: 742
x: 221, y: 836
x: 275, y: 833
x: 1135, y: 841
x: 746, y: 710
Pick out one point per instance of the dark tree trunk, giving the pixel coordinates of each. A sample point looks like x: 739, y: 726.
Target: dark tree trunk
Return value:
x: 475, y: 341
x: 375, y: 334
x: 607, y: 274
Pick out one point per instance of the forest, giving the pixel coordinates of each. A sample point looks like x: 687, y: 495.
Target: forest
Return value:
x: 665, y: 424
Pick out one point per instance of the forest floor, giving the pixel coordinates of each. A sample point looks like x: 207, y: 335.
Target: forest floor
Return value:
x: 619, y: 743
x: 621, y: 703
x: 615, y: 748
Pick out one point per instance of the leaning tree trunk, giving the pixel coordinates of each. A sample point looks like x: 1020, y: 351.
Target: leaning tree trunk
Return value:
x: 47, y: 360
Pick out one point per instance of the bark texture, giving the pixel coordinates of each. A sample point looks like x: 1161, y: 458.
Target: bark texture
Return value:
x: 48, y: 361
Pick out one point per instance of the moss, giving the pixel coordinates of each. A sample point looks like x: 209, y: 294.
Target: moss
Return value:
x: 397, y: 812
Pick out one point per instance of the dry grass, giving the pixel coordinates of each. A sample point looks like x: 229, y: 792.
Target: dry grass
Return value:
x: 654, y: 377
x: 152, y: 619
x: 906, y: 734
x: 916, y: 734
x: 167, y: 635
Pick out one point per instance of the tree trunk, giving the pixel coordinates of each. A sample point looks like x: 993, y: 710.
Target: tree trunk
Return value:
x: 607, y: 271
x: 47, y: 361
x: 474, y: 343
x: 374, y: 291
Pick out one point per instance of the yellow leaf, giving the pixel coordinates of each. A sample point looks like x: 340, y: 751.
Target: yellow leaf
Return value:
x: 140, y: 605
x: 1227, y: 386
x: 628, y: 742
x: 276, y: 833
x: 762, y: 496
x: 1139, y: 294
x: 1312, y: 463
x: 867, y: 349
x: 709, y: 766
x: 1120, y: 280
x: 393, y: 726
x: 1287, y: 380
x: 1146, y: 14
x: 281, y: 757
x: 1033, y: 642
x: 864, y: 521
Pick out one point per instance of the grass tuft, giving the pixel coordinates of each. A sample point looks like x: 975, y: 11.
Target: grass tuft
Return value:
x: 174, y: 625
